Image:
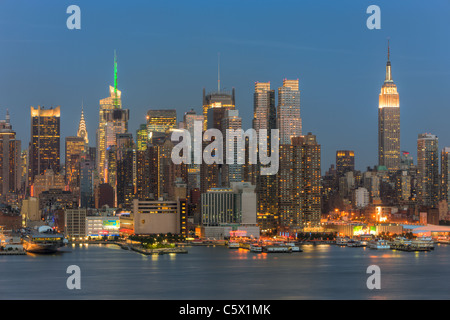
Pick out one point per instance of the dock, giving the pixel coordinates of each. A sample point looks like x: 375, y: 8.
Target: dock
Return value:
x: 268, y: 247
x: 13, y: 253
x: 159, y: 251
x: 316, y: 242
x: 409, y: 248
x: 137, y: 248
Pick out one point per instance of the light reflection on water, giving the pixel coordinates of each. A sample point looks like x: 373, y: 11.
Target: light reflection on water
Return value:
x: 319, y: 272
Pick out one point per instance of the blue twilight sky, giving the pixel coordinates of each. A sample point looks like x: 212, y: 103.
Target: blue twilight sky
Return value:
x: 167, y: 53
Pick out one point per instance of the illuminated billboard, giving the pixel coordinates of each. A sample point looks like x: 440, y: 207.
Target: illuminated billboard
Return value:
x: 359, y: 230
x: 111, y: 224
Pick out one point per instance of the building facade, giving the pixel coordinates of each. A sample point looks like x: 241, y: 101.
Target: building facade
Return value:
x: 159, y: 217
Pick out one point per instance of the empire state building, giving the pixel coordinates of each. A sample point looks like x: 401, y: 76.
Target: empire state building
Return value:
x: 389, y: 123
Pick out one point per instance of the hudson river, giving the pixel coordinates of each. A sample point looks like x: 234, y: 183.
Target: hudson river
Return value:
x: 219, y: 273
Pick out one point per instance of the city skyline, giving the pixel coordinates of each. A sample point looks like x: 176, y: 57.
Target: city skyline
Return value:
x: 280, y: 144
x: 329, y: 71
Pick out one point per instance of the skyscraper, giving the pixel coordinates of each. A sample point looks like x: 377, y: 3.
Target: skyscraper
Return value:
x: 289, y: 121
x: 82, y: 130
x: 310, y: 196
x: 389, y: 122
x: 231, y: 172
x: 86, y: 182
x: 427, y: 170
x: 264, y: 117
x: 112, y: 121
x: 299, y: 183
x: 288, y: 213
x: 345, y: 161
x: 264, y: 111
x: 445, y: 175
x: 406, y: 161
x: 10, y: 158
x: 126, y: 168
x: 215, y: 106
x: 123, y: 175
x: 45, y: 141
x: 75, y: 146
x: 161, y: 121
x: 189, y: 119
x: 193, y: 170
x: 220, y: 99
x: 141, y: 137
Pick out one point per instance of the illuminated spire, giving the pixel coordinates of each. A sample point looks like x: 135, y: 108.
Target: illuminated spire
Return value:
x: 218, y: 72
x: 115, y: 73
x: 82, y: 131
x: 388, y: 66
x: 116, y: 91
x: 388, y: 51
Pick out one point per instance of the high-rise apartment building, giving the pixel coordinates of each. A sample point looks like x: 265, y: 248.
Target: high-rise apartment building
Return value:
x: 289, y: 121
x: 265, y: 118
x: 311, y: 175
x: 427, y: 170
x: 445, y: 175
x: 299, y: 183
x: 389, y: 123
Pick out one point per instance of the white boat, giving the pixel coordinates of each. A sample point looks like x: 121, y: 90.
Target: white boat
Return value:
x: 380, y: 245
x: 295, y: 248
x: 354, y: 243
x: 277, y: 248
x: 342, y: 241
x: 42, y: 242
x: 255, y: 248
x: 233, y: 245
x: 424, y: 242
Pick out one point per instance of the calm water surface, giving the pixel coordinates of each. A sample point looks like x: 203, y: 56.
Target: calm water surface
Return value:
x: 319, y: 272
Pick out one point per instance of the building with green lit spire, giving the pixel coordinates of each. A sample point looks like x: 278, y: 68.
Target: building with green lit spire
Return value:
x: 113, y: 120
